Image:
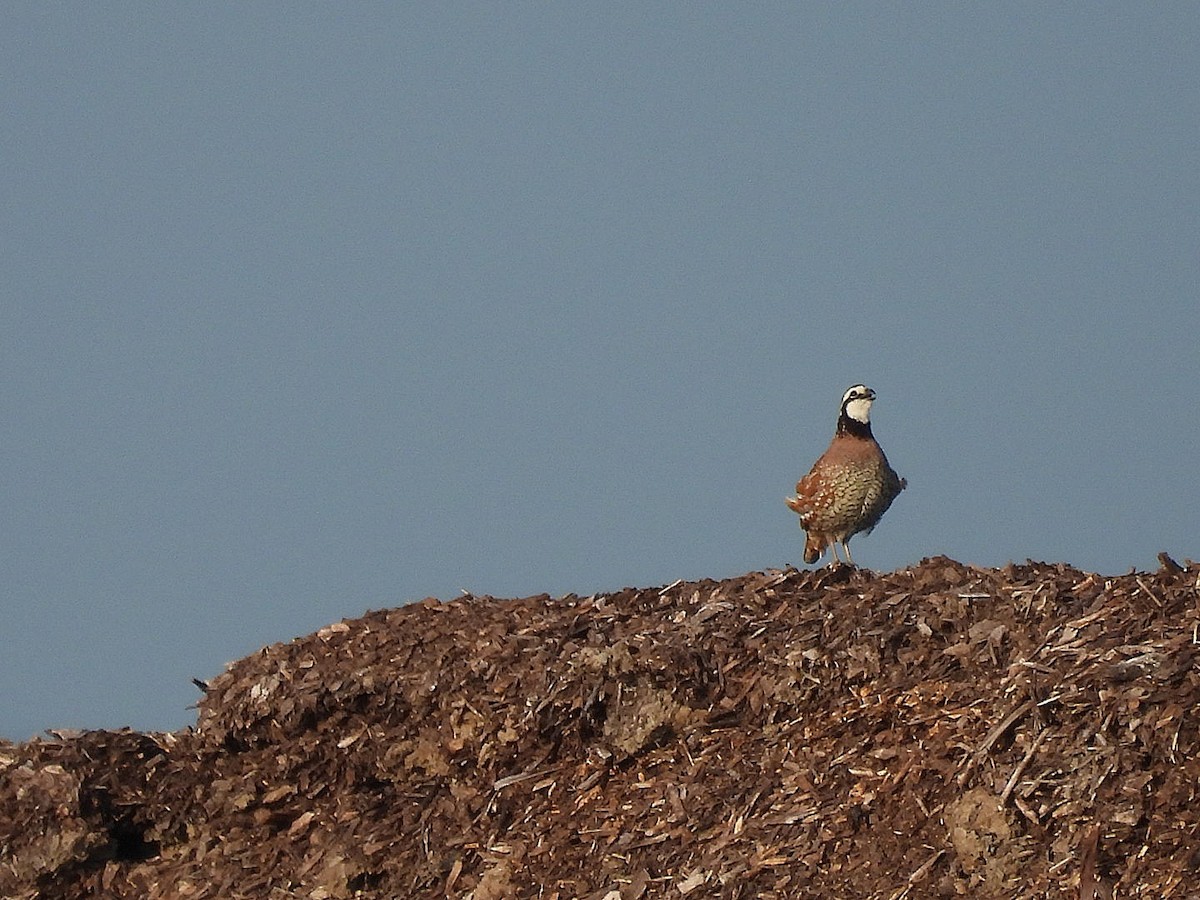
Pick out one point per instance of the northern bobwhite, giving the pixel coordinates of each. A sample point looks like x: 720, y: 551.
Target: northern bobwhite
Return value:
x: 850, y: 487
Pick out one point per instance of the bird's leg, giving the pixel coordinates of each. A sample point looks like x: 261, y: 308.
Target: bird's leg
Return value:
x: 837, y: 560
x: 846, y: 547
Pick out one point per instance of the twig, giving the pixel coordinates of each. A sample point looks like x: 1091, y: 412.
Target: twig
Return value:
x: 993, y: 736
x: 1022, y: 765
x: 1091, y: 887
x: 923, y: 869
x: 1005, y: 723
x: 918, y: 874
x: 501, y: 783
x: 1149, y: 593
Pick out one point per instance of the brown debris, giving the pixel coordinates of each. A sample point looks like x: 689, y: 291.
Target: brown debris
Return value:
x: 941, y: 731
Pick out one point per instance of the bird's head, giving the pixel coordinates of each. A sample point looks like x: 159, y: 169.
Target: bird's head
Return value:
x: 856, y: 403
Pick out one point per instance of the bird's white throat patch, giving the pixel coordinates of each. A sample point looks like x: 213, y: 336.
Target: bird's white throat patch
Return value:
x: 859, y: 409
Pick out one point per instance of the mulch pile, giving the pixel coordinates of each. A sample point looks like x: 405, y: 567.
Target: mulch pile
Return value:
x: 940, y: 731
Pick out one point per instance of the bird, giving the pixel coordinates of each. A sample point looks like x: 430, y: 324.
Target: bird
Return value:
x: 850, y: 486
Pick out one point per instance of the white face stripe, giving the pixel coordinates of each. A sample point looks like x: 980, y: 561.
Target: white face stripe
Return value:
x: 861, y: 389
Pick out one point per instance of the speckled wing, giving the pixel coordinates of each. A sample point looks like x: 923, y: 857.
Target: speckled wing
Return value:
x: 813, y: 492
x: 876, y: 503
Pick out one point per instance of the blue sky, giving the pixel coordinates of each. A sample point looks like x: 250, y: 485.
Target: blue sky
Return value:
x: 312, y: 309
